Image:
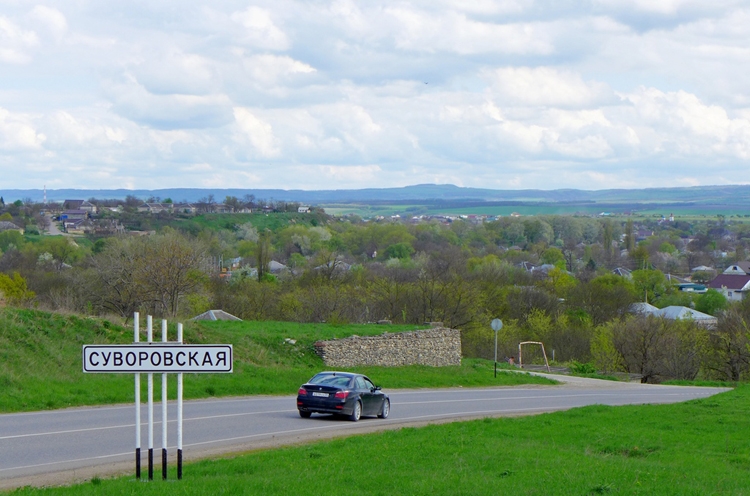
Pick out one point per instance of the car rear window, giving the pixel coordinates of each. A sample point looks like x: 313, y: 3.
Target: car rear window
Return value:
x: 331, y: 380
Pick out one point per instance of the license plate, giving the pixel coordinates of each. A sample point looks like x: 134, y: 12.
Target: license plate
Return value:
x: 322, y: 395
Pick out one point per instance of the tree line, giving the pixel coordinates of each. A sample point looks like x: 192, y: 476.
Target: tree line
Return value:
x: 461, y: 273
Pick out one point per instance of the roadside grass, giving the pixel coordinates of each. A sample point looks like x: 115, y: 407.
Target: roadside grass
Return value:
x: 41, y: 357
x: 694, y: 448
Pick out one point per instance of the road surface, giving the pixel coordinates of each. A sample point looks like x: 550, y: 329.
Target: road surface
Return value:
x: 55, y: 447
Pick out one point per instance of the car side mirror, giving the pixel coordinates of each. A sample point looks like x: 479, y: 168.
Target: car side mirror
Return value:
x: 377, y: 388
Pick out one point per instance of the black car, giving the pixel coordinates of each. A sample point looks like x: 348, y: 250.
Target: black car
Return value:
x: 342, y: 393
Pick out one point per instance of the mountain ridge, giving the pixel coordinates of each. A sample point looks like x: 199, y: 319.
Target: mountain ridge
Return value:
x: 719, y: 194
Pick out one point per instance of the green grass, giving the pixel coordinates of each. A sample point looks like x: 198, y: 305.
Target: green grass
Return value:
x: 695, y: 448
x: 41, y: 357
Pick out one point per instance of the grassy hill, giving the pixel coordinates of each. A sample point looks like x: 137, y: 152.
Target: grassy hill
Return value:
x: 40, y: 354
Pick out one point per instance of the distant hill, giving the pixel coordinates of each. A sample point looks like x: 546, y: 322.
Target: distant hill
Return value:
x: 737, y: 195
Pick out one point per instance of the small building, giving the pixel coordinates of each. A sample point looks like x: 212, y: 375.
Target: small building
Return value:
x: 184, y: 208
x: 79, y: 205
x: 155, y: 208
x: 734, y: 286
x: 69, y: 215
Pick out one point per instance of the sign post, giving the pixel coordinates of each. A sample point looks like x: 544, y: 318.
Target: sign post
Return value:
x: 162, y: 358
x: 496, y: 325
x: 136, y: 339
x: 164, y: 409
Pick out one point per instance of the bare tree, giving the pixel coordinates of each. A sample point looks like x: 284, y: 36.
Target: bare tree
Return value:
x: 730, y: 357
x: 640, y: 341
x: 150, y: 271
x: 174, y: 266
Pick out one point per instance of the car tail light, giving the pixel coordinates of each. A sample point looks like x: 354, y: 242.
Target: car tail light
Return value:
x: 302, y: 392
x: 341, y: 395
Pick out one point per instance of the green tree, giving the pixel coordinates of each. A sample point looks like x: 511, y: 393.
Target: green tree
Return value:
x: 15, y: 290
x: 603, y: 351
x: 399, y: 250
x: 11, y: 238
x: 649, y: 284
x: 63, y: 249
x: 711, y: 302
x: 607, y: 238
x: 263, y: 254
x: 629, y: 236
x: 553, y: 256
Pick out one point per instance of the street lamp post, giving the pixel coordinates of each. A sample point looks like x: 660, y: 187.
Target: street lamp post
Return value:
x: 496, y: 325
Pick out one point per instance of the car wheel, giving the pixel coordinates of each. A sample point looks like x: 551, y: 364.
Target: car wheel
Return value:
x: 386, y: 410
x: 304, y: 414
x: 356, y: 412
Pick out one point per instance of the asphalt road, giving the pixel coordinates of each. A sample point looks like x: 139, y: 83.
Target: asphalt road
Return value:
x: 60, y: 446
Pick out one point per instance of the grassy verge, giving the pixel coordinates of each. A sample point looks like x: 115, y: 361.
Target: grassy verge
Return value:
x: 41, y: 357
x: 694, y: 448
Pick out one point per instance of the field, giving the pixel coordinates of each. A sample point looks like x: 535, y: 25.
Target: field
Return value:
x: 649, y: 211
x: 41, y: 357
x: 694, y: 448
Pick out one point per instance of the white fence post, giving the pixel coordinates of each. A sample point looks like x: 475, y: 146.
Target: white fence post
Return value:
x: 136, y: 338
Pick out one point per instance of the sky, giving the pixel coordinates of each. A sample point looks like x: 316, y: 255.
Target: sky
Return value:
x: 344, y: 94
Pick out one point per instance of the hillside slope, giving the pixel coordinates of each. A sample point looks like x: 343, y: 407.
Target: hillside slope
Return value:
x: 42, y: 369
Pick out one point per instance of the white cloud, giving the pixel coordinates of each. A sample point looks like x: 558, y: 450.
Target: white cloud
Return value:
x: 52, y: 20
x: 426, y: 32
x: 266, y: 69
x: 259, y: 132
x: 353, y: 175
x: 259, y: 30
x: 359, y: 94
x: 15, y: 42
x: 546, y: 86
x: 17, y: 132
x: 169, y: 111
x: 174, y: 71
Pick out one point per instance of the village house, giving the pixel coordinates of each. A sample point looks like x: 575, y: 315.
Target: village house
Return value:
x: 155, y: 208
x: 734, y: 282
x: 79, y: 205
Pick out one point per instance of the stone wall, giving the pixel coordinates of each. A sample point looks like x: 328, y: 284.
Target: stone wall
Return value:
x: 436, y: 347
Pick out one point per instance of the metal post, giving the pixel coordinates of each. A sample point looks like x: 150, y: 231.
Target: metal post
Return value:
x: 164, y: 409
x: 495, y: 353
x: 179, y: 411
x: 136, y: 338
x: 496, y: 325
x: 149, y: 324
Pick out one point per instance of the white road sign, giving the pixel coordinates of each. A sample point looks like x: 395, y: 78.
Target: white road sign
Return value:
x: 157, y: 357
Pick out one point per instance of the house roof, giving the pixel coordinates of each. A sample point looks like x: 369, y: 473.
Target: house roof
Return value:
x: 677, y: 313
x: 702, y: 268
x: 622, y: 271
x: 744, y: 265
x: 673, y: 312
x: 735, y: 282
x: 6, y: 225
x: 643, y: 308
